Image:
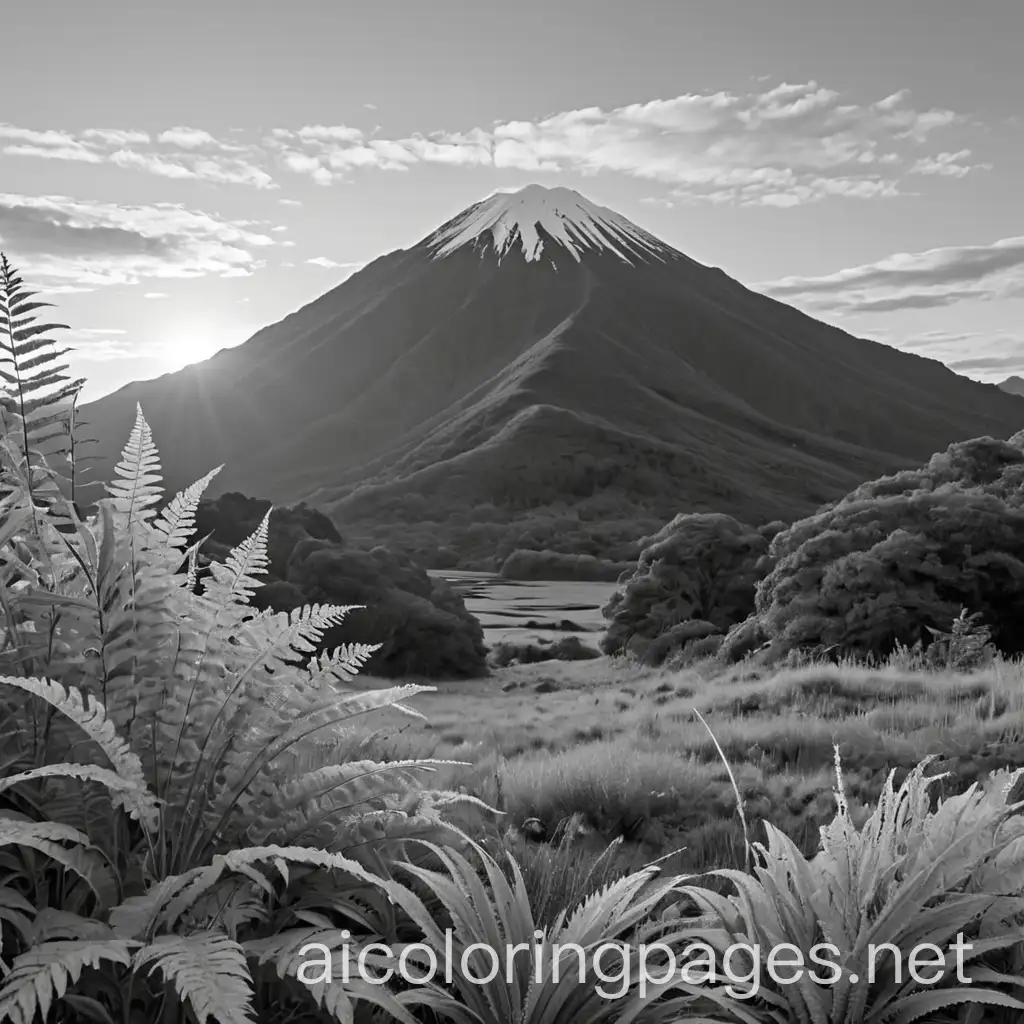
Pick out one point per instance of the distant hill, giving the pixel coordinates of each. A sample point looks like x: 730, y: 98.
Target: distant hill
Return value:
x: 539, y: 356
x: 1013, y: 385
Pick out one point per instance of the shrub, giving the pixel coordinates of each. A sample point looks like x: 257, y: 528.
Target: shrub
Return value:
x: 868, y: 573
x: 554, y: 565
x: 911, y: 875
x: 567, y: 648
x: 699, y: 566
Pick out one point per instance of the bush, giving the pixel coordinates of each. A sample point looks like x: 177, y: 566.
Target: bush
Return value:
x: 554, y: 565
x: 699, y: 566
x: 568, y: 648
x: 420, y: 624
x: 868, y: 574
x: 674, y: 639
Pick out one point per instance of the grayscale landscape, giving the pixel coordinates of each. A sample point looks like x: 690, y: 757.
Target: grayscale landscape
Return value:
x: 485, y: 481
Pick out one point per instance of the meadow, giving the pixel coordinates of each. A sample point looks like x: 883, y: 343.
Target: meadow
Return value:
x: 619, y: 745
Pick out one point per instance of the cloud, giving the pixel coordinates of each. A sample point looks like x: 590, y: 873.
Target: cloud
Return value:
x: 290, y: 202
x: 784, y: 146
x: 105, y: 349
x: 117, y: 136
x: 154, y: 295
x: 323, y: 261
x: 948, y: 165
x: 985, y: 356
x: 186, y: 138
x: 935, y: 277
x: 64, y: 242
x: 789, y: 145
x: 195, y: 154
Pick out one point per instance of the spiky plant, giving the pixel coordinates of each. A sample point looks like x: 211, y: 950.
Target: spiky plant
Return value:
x: 911, y: 875
x: 538, y: 978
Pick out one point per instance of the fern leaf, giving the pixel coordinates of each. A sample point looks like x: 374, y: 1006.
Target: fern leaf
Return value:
x: 43, y: 973
x: 234, y: 582
x: 136, y: 491
x: 36, y: 386
x: 47, y: 837
x: 85, y: 772
x: 208, y: 970
x: 93, y: 721
x: 177, y: 522
x: 342, y: 664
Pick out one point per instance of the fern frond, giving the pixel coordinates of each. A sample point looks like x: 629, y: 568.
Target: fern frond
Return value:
x: 208, y: 970
x: 177, y: 522
x: 342, y: 664
x: 135, y: 797
x: 43, y: 973
x: 234, y: 582
x: 35, y: 388
x: 80, y: 857
x: 85, y: 772
x: 137, y: 490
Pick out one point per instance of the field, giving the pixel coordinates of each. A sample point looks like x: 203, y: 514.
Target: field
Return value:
x: 620, y: 746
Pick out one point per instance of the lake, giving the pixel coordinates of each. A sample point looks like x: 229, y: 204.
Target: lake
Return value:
x: 505, y: 607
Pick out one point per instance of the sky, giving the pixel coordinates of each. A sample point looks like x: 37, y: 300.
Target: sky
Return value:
x: 176, y: 176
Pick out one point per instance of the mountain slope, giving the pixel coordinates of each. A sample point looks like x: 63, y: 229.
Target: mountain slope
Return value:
x: 538, y: 349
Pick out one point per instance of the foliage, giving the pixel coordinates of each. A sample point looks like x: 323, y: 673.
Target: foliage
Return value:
x: 175, y: 780
x: 899, y: 557
x: 567, y: 648
x: 555, y: 565
x: 698, y: 566
x: 909, y: 876
x: 867, y: 573
x: 418, y: 624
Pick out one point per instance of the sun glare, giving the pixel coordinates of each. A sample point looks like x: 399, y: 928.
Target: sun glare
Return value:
x: 189, y: 345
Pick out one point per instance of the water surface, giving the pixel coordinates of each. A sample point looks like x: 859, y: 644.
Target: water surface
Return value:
x: 507, y: 609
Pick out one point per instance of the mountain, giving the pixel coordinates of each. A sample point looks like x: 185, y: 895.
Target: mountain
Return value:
x: 1012, y: 385
x: 540, y: 357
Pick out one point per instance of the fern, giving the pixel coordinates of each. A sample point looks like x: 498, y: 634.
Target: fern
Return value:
x: 37, y: 398
x: 43, y: 974
x: 130, y: 789
x: 208, y: 970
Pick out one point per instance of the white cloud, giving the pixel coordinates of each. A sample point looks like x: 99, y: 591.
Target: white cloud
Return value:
x: 923, y: 280
x: 789, y: 145
x: 65, y: 242
x: 117, y: 136
x: 186, y: 138
x: 228, y: 163
x: 323, y: 261
x: 950, y: 165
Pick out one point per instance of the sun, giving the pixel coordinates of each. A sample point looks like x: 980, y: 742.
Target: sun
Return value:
x: 189, y: 344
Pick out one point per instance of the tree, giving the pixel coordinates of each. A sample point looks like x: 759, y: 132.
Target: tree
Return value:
x: 866, y: 573
x: 699, y: 566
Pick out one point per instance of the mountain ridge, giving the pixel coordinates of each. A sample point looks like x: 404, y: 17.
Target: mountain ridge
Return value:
x: 662, y: 383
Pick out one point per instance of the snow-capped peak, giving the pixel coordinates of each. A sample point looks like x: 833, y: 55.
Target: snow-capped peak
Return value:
x: 565, y: 216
